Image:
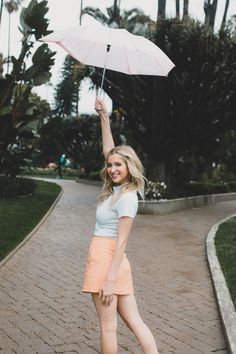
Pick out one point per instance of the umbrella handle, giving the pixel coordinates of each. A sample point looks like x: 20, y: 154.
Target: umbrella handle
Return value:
x: 104, y: 69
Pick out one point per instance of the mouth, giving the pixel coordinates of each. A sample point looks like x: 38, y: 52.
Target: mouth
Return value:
x: 113, y: 176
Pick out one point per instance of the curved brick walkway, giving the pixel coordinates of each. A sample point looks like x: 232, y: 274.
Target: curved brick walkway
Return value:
x: 42, y: 309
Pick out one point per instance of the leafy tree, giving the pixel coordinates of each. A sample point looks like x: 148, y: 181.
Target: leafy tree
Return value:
x: 66, y: 94
x: 174, y: 116
x: 79, y: 138
x: 16, y: 108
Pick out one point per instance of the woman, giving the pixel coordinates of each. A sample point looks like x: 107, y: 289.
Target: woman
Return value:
x: 108, y: 276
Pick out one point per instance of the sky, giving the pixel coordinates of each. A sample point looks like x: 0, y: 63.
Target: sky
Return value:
x: 66, y: 13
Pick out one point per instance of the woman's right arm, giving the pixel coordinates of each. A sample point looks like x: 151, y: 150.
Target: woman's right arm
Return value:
x: 107, y: 139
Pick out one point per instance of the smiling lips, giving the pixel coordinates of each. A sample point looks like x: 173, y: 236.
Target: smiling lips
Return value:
x: 114, y: 175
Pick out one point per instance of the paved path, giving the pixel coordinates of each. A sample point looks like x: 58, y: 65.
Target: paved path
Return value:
x: 42, y: 309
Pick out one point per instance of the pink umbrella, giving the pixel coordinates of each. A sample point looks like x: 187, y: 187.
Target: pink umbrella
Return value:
x: 114, y: 49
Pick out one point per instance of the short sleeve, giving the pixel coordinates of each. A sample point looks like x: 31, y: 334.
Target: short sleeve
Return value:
x: 127, y: 205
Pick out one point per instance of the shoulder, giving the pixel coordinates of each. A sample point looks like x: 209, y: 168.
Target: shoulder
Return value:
x: 127, y: 204
x: 129, y: 196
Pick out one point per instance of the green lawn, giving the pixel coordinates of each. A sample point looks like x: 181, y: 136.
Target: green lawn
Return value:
x: 225, y: 243
x: 18, y: 216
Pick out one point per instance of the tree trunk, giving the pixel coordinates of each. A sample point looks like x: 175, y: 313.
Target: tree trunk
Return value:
x: 9, y: 43
x: 157, y: 146
x: 177, y: 8
x: 225, y: 14
x: 156, y: 171
x: 185, y: 8
x: 161, y: 13
x: 1, y: 65
x: 81, y: 9
x: 1, y: 8
x: 116, y: 12
x: 210, y: 12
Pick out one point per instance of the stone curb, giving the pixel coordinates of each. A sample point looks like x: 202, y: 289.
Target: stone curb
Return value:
x: 224, y: 301
x: 170, y: 205
x: 88, y: 182
x: 26, y: 239
x: 160, y: 207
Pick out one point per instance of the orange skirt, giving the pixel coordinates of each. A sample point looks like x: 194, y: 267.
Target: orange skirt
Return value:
x: 100, y: 255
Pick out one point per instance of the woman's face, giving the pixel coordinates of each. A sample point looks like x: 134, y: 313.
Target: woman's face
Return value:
x: 117, y: 169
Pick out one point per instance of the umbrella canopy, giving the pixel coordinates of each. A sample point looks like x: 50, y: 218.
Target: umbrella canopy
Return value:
x: 114, y: 49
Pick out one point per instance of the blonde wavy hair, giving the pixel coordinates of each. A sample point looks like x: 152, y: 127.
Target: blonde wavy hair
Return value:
x: 135, y: 168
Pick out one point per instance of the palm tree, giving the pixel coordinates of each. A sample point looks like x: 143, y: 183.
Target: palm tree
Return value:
x: 161, y: 12
x: 11, y: 6
x: 185, y: 8
x: 133, y: 20
x: 210, y: 12
x: 177, y: 8
x: 225, y: 14
x: 1, y: 8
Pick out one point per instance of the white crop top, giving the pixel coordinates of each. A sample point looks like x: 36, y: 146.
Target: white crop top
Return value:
x: 107, y: 215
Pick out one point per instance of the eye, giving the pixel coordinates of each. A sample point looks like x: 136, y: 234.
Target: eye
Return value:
x: 118, y: 164
x: 109, y: 165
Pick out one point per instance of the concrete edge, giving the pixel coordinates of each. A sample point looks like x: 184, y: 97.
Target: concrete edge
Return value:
x: 160, y: 207
x: 166, y: 206
x: 224, y: 301
x: 88, y: 182
x: 26, y: 239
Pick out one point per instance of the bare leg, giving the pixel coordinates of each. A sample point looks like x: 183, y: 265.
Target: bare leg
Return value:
x: 128, y: 310
x: 108, y: 324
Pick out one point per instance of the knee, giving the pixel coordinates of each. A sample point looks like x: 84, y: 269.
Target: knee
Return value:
x: 109, y: 327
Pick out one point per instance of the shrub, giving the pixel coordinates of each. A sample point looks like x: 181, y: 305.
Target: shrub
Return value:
x: 15, y: 187
x: 232, y: 186
x: 154, y: 190
x: 203, y: 188
x: 95, y: 176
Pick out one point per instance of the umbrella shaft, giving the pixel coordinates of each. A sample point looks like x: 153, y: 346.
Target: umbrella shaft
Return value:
x: 103, y: 77
x: 104, y: 69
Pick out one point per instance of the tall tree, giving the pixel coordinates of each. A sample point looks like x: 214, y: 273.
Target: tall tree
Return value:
x: 177, y: 8
x: 16, y: 108
x: 11, y: 7
x: 161, y: 12
x: 1, y: 8
x: 66, y: 94
x: 185, y: 8
x: 225, y: 14
x: 210, y: 12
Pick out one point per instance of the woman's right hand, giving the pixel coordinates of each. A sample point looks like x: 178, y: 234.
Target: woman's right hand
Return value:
x: 100, y: 106
x: 106, y: 292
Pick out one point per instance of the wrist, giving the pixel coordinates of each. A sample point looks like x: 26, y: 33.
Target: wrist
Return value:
x: 103, y: 114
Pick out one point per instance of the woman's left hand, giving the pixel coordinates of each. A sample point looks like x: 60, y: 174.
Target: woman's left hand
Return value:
x: 107, y: 291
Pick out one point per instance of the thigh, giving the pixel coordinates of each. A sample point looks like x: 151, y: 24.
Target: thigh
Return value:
x: 105, y: 313
x: 128, y: 310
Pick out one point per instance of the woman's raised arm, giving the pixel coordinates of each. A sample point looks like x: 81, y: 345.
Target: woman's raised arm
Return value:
x: 107, y: 139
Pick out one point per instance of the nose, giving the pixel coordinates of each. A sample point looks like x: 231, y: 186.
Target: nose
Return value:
x: 113, y: 168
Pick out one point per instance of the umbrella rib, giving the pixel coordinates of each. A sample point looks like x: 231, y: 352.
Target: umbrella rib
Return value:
x: 136, y: 48
x: 127, y: 57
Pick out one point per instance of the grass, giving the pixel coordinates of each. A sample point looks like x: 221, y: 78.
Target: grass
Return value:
x: 225, y: 243
x: 18, y: 216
